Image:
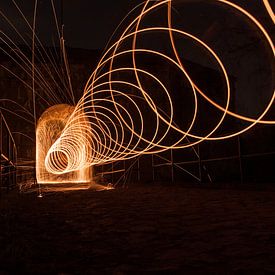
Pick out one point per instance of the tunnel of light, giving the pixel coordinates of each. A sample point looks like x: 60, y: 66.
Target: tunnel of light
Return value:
x: 110, y: 121
x: 49, y: 128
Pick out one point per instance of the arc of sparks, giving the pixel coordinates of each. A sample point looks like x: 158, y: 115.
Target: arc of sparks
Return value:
x: 115, y: 126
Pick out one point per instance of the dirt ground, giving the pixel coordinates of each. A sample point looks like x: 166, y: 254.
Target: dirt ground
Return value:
x: 152, y: 229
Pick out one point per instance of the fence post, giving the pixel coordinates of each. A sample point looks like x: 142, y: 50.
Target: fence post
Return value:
x: 200, y: 164
x: 153, y: 168
x: 240, y: 159
x: 138, y: 167
x: 9, y: 164
x: 172, y: 165
x: 124, y: 167
x: 1, y: 125
x: 112, y: 176
x: 14, y: 159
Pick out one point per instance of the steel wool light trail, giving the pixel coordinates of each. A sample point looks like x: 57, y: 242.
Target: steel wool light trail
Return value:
x: 108, y: 123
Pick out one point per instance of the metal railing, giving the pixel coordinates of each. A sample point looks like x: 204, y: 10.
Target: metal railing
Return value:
x: 8, y: 156
x: 202, y: 164
x: 205, y: 163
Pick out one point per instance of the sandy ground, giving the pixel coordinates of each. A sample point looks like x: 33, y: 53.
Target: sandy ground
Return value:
x: 138, y: 230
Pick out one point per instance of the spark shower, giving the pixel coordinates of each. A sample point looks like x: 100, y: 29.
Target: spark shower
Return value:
x: 110, y: 122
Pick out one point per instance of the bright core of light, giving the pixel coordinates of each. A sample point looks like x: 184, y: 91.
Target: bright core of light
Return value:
x: 53, y: 166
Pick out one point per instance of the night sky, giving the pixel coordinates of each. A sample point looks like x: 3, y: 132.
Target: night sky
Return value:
x: 89, y: 24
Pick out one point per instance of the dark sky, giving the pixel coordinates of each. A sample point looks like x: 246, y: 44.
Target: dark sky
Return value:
x: 93, y: 21
x: 88, y: 23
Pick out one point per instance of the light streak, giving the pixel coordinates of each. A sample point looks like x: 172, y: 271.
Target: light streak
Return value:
x: 269, y: 10
x: 110, y: 121
x: 49, y: 127
x: 116, y: 129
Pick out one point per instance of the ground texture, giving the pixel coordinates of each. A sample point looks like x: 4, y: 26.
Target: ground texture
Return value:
x: 139, y: 230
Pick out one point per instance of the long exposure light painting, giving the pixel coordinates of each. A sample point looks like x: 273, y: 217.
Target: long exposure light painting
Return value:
x: 110, y: 121
x: 49, y: 127
x: 116, y: 131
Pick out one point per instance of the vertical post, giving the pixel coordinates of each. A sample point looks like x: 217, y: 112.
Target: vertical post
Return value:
x: 124, y: 175
x: 15, y: 163
x: 138, y: 169
x: 200, y: 164
x: 112, y: 172
x: 9, y: 163
x: 101, y: 175
x: 1, y: 140
x: 240, y: 159
x: 172, y: 165
x: 14, y: 166
x: 153, y: 168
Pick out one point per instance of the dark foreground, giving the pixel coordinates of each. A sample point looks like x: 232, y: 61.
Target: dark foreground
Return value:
x: 139, y: 230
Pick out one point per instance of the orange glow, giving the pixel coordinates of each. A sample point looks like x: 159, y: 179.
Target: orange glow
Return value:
x: 108, y: 123
x: 269, y: 10
x: 49, y: 128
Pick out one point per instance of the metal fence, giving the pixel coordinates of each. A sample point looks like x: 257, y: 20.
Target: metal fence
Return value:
x: 248, y: 158
x: 8, y: 155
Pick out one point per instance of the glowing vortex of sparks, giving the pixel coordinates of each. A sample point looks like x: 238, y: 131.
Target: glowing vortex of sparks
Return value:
x: 49, y: 127
x: 119, y: 109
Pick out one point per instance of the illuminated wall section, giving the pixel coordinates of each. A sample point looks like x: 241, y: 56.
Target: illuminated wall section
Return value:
x: 49, y: 128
